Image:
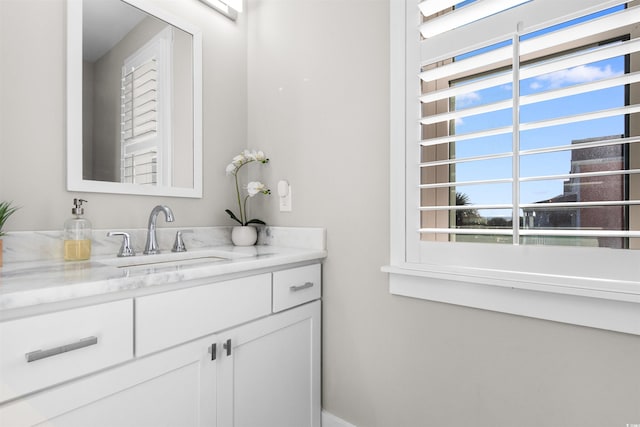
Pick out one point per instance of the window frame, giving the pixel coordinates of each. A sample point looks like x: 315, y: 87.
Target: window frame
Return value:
x: 533, y: 281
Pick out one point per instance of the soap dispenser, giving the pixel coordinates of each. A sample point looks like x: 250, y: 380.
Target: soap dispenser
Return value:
x: 77, y: 234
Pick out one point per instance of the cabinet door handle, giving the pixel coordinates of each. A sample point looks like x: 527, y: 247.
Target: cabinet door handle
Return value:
x: 213, y: 349
x: 301, y: 287
x: 227, y: 346
x: 43, y: 354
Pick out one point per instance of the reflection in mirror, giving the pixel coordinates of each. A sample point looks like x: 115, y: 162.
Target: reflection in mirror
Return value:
x: 137, y: 83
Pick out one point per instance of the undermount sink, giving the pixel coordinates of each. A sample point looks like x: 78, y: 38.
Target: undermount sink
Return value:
x: 168, y: 260
x: 167, y: 263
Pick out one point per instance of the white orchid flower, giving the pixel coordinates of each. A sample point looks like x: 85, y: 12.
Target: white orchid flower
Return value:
x: 256, y: 187
x: 253, y: 188
x: 239, y: 160
x: 260, y: 156
x: 248, y: 155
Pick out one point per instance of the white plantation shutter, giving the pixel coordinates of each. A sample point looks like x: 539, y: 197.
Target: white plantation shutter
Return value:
x: 508, y: 88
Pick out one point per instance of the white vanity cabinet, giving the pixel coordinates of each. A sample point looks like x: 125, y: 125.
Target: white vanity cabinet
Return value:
x: 225, y: 354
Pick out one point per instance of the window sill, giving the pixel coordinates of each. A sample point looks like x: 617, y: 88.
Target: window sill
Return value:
x: 596, y: 303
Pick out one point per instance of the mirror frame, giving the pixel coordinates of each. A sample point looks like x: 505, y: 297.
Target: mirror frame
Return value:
x: 75, y: 181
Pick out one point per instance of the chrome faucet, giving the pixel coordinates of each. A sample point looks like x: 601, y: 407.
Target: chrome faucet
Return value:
x: 151, y: 247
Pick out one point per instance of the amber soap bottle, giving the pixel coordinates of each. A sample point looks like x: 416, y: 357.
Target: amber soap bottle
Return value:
x: 77, y: 234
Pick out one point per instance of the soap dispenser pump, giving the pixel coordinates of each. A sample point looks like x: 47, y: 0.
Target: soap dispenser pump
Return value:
x: 77, y: 234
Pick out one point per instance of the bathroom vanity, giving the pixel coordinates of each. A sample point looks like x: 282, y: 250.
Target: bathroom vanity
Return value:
x: 221, y: 337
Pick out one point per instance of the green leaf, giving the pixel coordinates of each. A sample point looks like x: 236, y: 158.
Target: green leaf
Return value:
x: 6, y: 210
x: 233, y: 217
x: 256, y: 221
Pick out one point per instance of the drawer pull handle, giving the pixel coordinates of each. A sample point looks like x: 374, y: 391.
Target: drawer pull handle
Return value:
x: 43, y: 354
x: 301, y: 287
x: 227, y: 346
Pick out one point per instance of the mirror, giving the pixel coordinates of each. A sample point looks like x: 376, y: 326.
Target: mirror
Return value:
x: 134, y: 103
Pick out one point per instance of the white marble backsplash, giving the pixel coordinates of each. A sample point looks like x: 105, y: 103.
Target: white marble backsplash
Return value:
x: 25, y: 246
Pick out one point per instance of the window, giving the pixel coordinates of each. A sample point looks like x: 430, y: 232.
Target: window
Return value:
x: 146, y: 113
x: 516, y: 151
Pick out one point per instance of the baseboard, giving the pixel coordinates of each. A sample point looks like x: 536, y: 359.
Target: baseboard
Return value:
x: 330, y: 420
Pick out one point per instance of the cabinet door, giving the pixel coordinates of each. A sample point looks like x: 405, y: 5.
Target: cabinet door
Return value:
x: 171, y: 388
x: 270, y: 374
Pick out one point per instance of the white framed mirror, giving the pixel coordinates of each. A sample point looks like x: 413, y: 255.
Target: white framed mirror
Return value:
x: 134, y: 100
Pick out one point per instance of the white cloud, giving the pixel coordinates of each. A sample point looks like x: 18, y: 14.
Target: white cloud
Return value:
x: 579, y: 74
x: 466, y: 99
x: 535, y: 85
x: 459, y: 122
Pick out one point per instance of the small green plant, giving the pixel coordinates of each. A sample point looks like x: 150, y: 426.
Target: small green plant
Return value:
x: 6, y: 210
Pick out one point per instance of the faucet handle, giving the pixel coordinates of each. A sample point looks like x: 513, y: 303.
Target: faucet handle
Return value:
x: 125, y: 249
x: 178, y: 244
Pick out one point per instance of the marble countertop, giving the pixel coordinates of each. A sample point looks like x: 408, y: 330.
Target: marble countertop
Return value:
x: 29, y: 284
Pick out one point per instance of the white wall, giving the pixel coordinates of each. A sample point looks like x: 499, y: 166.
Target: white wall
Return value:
x: 318, y: 105
x: 32, y: 114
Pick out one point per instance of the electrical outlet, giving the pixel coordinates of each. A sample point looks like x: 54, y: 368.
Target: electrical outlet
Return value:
x: 284, y: 192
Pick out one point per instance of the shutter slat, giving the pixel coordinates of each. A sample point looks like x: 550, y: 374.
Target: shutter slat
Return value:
x: 583, y: 145
x: 579, y: 175
x: 581, y: 88
x: 579, y: 31
x: 595, y: 203
x: 465, y: 160
x: 580, y: 117
x: 467, y: 112
x: 575, y: 232
x: 464, y: 207
x: 466, y: 65
x: 482, y: 231
x: 430, y: 7
x: 607, y: 52
x: 578, y: 232
x: 466, y: 88
x: 466, y: 136
x: 456, y: 183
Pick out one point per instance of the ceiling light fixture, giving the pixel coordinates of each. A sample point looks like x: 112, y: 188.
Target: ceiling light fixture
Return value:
x: 228, y: 8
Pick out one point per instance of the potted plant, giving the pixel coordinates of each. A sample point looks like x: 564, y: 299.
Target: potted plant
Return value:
x: 6, y: 210
x: 246, y: 234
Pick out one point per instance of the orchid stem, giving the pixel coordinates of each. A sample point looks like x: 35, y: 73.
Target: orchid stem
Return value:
x: 245, y: 208
x: 239, y: 203
x: 243, y: 213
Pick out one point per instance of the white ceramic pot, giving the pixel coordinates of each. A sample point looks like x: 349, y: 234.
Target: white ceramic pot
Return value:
x: 244, y: 235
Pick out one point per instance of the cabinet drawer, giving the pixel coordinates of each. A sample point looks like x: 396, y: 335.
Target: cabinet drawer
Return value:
x: 296, y: 286
x: 44, y: 350
x: 170, y: 318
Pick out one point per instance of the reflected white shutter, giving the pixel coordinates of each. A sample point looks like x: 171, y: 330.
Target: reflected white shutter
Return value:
x: 140, y: 100
x: 140, y: 123
x: 146, y: 113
